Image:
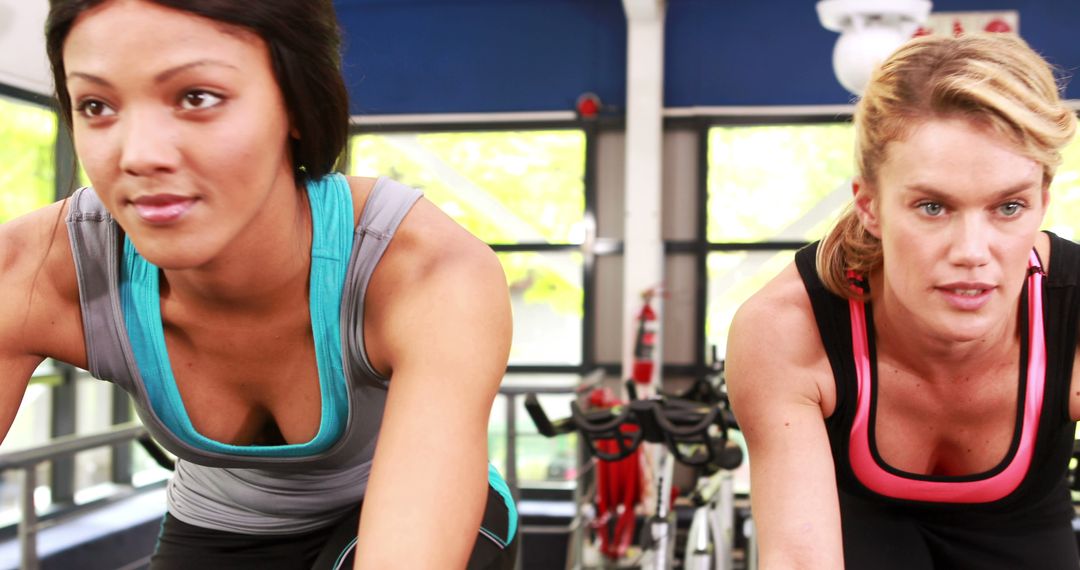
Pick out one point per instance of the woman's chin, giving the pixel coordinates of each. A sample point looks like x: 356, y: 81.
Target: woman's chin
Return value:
x: 172, y: 255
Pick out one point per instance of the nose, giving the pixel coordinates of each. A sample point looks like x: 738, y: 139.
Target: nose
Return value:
x: 971, y: 237
x: 149, y: 145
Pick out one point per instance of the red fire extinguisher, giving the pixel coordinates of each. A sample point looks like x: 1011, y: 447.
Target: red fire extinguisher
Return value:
x: 645, y: 340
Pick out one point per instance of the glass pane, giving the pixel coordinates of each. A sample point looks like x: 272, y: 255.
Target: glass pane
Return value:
x: 543, y: 459
x: 144, y: 469
x: 1063, y: 215
x: 11, y: 489
x: 93, y: 468
x: 777, y: 182
x: 27, y: 172
x: 504, y: 187
x: 33, y: 422
x: 546, y: 296
x: 497, y: 434
x: 733, y: 277
x: 31, y: 427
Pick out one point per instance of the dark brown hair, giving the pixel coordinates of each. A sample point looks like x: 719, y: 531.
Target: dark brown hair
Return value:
x: 305, y: 50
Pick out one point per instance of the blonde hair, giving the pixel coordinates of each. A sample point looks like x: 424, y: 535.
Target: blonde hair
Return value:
x: 996, y: 80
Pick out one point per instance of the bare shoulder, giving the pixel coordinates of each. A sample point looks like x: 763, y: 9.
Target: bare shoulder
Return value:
x: 361, y: 187
x: 438, y: 278
x: 37, y: 273
x: 779, y: 320
x: 427, y: 240
x: 774, y: 349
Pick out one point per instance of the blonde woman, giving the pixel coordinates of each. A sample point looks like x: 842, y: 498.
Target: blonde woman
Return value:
x: 920, y: 409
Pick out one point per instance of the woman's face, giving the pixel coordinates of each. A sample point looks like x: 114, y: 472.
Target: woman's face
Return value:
x: 181, y: 127
x: 957, y: 209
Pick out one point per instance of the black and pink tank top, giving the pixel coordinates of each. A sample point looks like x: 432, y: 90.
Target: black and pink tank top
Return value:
x: 1031, y: 483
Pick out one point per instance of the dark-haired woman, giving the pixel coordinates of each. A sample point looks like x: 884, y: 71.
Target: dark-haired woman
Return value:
x: 320, y: 352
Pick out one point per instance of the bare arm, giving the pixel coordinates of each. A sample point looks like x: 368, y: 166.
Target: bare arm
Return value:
x: 446, y: 336
x: 35, y: 320
x: 774, y: 375
x: 16, y: 364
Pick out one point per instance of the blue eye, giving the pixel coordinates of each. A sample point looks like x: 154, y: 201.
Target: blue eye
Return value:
x: 931, y: 208
x: 1011, y: 209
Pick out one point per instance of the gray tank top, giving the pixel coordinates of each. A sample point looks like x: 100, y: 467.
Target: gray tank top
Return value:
x: 211, y: 488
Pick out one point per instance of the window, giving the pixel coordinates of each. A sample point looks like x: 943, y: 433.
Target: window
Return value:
x: 30, y: 428
x: 1063, y: 215
x: 27, y: 137
x: 541, y: 461
x: 522, y: 192
x: 27, y: 171
x: 770, y: 189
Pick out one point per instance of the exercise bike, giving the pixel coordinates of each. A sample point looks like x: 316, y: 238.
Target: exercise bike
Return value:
x: 693, y: 429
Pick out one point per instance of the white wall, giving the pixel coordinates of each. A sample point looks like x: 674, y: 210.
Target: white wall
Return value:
x: 23, y: 63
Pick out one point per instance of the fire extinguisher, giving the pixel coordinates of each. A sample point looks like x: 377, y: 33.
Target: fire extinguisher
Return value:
x: 645, y: 341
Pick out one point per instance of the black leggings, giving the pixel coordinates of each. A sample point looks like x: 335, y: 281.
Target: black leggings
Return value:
x: 182, y: 546
x: 876, y: 538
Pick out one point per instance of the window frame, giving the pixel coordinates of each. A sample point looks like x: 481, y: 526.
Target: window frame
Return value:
x: 589, y: 248
x: 701, y: 246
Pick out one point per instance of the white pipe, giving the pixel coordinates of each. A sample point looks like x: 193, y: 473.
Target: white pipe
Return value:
x: 643, y: 259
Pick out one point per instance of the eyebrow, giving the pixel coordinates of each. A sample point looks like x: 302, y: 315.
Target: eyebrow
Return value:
x: 936, y: 194
x: 160, y: 77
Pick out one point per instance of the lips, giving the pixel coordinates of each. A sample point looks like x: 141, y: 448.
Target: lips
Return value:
x: 162, y: 208
x: 966, y: 296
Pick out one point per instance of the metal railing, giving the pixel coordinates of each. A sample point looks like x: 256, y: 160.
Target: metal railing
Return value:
x: 515, y: 385
x: 28, y: 460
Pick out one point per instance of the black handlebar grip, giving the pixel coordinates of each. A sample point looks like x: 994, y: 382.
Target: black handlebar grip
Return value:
x: 631, y: 389
x: 730, y: 457
x: 539, y: 417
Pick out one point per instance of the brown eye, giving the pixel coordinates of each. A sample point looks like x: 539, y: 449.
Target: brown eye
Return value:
x: 92, y: 108
x: 193, y: 100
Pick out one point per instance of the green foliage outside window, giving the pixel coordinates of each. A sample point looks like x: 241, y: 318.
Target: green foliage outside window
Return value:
x: 1063, y: 215
x: 506, y: 187
x: 27, y: 173
x: 777, y: 182
x: 768, y: 183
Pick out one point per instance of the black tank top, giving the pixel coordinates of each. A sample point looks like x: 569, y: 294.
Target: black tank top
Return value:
x: 1042, y: 497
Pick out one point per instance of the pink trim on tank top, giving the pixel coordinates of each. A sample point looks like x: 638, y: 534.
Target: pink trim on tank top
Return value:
x: 871, y: 474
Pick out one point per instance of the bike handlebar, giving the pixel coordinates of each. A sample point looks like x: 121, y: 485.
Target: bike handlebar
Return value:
x: 682, y: 425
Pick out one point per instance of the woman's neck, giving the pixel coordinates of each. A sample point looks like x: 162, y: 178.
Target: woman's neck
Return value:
x: 267, y: 265
x: 903, y: 340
